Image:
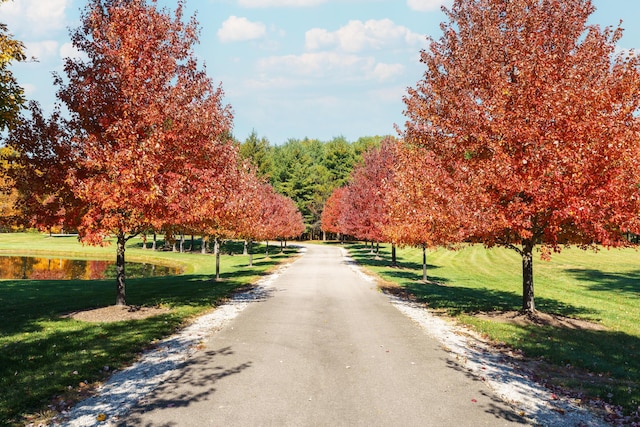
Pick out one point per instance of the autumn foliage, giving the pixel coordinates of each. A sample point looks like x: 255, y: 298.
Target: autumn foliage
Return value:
x: 38, y: 166
x: 523, y: 133
x: 331, y: 218
x: 147, y: 145
x: 531, y: 113
x: 363, y: 214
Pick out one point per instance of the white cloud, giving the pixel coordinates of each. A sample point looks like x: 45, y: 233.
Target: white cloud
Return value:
x: 385, y: 72
x: 426, y: 5
x: 329, y: 66
x: 241, y: 29
x: 34, y: 17
x: 29, y: 89
x: 317, y: 65
x: 41, y: 50
x: 279, y: 3
x: 357, y: 36
x: 388, y: 94
x: 68, y: 50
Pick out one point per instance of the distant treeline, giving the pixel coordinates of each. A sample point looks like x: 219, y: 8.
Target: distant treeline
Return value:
x: 307, y: 170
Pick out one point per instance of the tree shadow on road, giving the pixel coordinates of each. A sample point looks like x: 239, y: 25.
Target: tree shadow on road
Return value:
x: 194, y: 382
x: 500, y: 409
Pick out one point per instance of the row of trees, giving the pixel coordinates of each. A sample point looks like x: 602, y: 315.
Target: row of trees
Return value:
x: 145, y: 143
x: 523, y: 132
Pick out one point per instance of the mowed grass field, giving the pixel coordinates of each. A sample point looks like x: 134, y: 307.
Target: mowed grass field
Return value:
x: 600, y: 287
x: 49, y: 360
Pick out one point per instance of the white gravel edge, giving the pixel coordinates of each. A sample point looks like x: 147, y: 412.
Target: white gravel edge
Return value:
x: 500, y: 372
x: 126, y: 387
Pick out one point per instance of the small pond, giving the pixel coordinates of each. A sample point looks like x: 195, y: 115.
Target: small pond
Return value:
x: 34, y: 268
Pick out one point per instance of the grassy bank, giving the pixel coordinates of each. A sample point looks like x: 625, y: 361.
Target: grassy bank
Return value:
x: 602, y: 287
x: 46, y: 359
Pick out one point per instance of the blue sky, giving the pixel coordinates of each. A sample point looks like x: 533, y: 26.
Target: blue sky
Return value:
x: 289, y: 68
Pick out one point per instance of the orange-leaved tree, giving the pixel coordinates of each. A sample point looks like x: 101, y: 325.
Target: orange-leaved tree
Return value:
x: 41, y: 161
x: 279, y: 218
x: 421, y: 211
x: 148, y: 126
x: 330, y: 219
x: 533, y: 114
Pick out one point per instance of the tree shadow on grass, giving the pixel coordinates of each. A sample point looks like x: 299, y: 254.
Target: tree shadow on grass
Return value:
x: 67, y: 359
x: 598, y: 280
x: 26, y: 303
x: 456, y: 300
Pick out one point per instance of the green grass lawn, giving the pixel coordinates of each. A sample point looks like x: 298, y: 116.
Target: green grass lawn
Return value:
x: 602, y: 287
x: 45, y: 358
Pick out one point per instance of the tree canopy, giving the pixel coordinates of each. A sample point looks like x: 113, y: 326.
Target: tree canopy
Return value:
x: 533, y: 115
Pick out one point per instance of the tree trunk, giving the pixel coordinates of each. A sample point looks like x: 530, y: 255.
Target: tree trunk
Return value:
x: 250, y: 248
x: 181, y: 243
x: 394, y: 262
x: 216, y: 249
x: 424, y: 263
x: 120, y: 273
x: 193, y: 242
x: 266, y: 252
x: 244, y: 250
x: 528, y: 303
x: 153, y: 245
x: 144, y: 241
x: 203, y: 249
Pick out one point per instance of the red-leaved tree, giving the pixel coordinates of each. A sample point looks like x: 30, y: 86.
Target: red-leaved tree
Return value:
x: 279, y: 218
x: 533, y: 114
x: 148, y: 127
x: 364, y: 214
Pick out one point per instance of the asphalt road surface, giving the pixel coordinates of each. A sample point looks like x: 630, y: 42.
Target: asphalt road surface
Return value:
x: 323, y: 348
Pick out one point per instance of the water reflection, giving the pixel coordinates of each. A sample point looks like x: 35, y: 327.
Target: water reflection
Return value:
x: 16, y: 267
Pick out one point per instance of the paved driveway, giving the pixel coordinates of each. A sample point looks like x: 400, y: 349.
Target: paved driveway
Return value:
x: 323, y: 348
